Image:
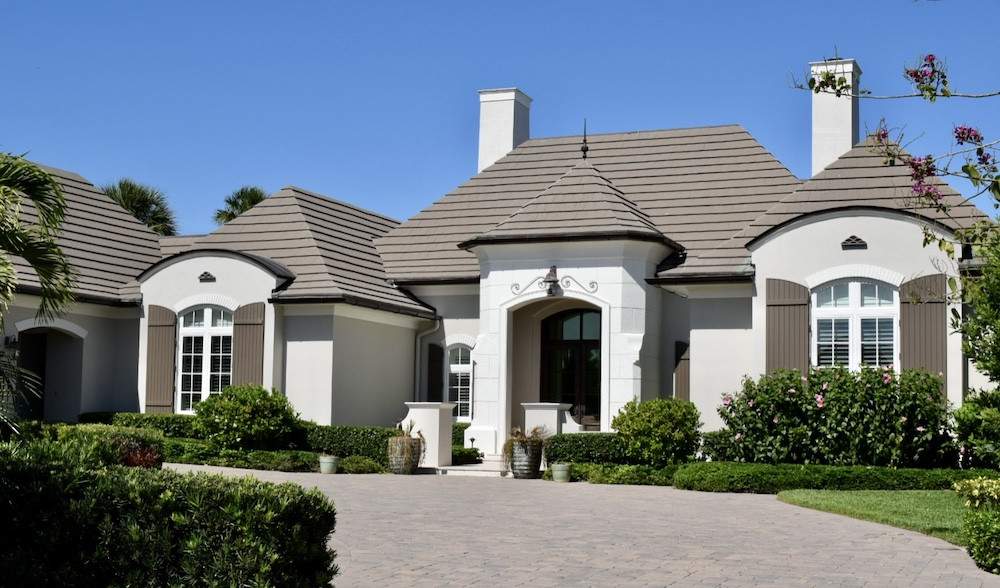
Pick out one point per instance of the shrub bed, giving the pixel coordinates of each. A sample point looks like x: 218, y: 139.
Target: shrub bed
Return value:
x: 70, y: 522
x: 604, y: 448
x: 359, y: 464
x: 465, y: 455
x: 636, y: 475
x: 247, y: 417
x: 171, y: 425
x: 838, y: 417
x: 343, y: 441
x: 981, y: 523
x: 658, y: 432
x: 977, y: 426
x: 195, y: 451
x: 114, y: 445
x: 759, y: 478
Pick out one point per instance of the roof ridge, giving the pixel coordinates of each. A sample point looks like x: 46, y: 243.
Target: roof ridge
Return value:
x: 641, y: 131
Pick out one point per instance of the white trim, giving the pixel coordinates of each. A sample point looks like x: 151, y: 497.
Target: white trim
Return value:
x: 854, y: 270
x: 460, y: 339
x: 59, y: 324
x: 205, y: 332
x: 205, y: 300
x: 854, y: 312
x: 459, y: 368
x: 874, y: 212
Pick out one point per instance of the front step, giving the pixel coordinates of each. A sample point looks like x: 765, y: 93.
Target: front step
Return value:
x: 489, y: 468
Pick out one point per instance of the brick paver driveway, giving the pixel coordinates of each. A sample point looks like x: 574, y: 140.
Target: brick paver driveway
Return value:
x: 460, y: 531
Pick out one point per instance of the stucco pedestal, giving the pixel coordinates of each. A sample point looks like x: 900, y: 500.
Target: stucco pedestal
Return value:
x: 433, y: 420
x: 552, y: 417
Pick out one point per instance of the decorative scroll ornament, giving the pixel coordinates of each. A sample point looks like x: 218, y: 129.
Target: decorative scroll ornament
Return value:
x: 553, y: 284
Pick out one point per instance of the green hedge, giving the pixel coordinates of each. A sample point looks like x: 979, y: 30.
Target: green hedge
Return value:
x: 172, y: 425
x: 659, y: 432
x: 196, y: 451
x: 759, y: 478
x: 116, y: 445
x: 68, y: 521
x: 465, y: 455
x: 458, y: 433
x: 606, y: 448
x: 981, y: 524
x: 636, y: 475
x: 344, y: 441
x: 247, y: 417
x: 977, y: 427
x: 359, y: 464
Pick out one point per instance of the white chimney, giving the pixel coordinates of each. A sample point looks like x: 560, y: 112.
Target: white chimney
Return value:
x: 834, y: 120
x: 503, y: 123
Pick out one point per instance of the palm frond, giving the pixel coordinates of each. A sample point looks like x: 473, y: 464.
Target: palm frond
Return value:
x: 240, y: 201
x: 145, y: 203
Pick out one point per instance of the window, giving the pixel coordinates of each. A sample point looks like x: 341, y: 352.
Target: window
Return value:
x: 460, y: 380
x: 855, y: 323
x: 206, y: 354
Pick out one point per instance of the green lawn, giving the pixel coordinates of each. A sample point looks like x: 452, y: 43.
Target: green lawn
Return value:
x: 932, y: 512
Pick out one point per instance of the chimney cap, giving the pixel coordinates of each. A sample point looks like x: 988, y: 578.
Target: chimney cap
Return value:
x: 837, y: 61
x: 498, y: 94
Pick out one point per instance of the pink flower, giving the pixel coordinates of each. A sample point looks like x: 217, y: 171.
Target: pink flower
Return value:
x: 825, y: 386
x: 791, y: 390
x: 820, y: 401
x: 921, y: 429
x: 738, y: 437
x: 727, y: 399
x: 750, y: 403
x: 887, y: 378
x: 966, y: 134
x: 775, y: 419
x: 930, y: 58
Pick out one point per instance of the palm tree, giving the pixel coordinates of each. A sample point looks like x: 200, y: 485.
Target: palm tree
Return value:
x: 239, y: 202
x: 145, y: 203
x: 32, y: 209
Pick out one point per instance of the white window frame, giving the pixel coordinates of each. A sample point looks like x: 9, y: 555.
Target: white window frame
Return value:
x: 206, y: 331
x: 459, y: 368
x: 854, y: 312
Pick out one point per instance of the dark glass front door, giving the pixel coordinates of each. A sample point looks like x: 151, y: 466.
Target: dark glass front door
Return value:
x: 571, y: 363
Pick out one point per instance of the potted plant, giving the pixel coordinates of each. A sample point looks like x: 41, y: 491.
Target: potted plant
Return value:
x: 405, y: 450
x: 328, y: 464
x: 522, y: 454
x: 560, y: 472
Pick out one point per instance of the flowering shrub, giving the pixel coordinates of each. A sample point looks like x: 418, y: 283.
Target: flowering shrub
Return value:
x: 658, y: 432
x: 835, y: 416
x: 977, y: 426
x: 981, y: 524
x: 248, y: 417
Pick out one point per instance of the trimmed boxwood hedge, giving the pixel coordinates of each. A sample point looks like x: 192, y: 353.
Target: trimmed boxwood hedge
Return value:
x: 759, y: 478
x: 71, y: 519
x: 465, y: 455
x: 637, y: 475
x: 605, y: 448
x: 114, y: 445
x: 344, y: 441
x: 458, y: 433
x: 981, y: 524
x: 172, y: 425
x: 196, y: 451
x: 359, y: 464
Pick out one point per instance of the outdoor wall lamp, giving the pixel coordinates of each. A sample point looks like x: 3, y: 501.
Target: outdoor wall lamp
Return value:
x: 551, y: 282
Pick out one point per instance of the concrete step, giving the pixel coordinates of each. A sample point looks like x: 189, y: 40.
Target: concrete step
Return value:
x: 489, y: 468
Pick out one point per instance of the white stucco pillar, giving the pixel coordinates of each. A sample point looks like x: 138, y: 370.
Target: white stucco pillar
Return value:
x: 432, y: 420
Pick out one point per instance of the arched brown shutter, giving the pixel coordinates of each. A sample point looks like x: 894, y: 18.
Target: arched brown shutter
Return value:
x: 923, y: 324
x: 682, y: 371
x: 248, y: 344
x: 435, y: 372
x: 787, y: 326
x: 161, y: 351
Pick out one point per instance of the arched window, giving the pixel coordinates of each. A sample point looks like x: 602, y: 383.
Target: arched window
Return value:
x: 460, y: 380
x: 855, y: 322
x: 205, y: 354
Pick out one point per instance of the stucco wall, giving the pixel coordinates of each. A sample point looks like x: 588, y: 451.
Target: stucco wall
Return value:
x: 722, y: 352
x: 308, y: 361
x: 675, y: 326
x: 458, y: 307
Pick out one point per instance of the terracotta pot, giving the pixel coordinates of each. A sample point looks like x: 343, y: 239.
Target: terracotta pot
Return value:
x: 404, y: 454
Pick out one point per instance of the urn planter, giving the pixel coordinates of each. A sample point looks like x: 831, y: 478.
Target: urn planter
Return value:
x: 328, y: 464
x: 560, y: 472
x: 523, y: 453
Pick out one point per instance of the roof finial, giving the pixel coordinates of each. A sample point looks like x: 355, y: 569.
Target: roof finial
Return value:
x: 584, y: 148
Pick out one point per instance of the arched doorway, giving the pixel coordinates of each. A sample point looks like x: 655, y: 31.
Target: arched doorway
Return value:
x: 56, y: 358
x: 570, y: 367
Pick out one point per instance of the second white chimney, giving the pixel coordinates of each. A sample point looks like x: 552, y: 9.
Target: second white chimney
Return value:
x: 835, y: 121
x: 503, y: 123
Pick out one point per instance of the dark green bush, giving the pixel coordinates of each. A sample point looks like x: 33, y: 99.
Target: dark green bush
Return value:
x: 840, y: 417
x: 718, y: 445
x: 585, y: 448
x: 342, y: 441
x: 195, y: 451
x: 636, y: 475
x: 247, y: 417
x: 981, y: 524
x: 103, y: 417
x: 117, y: 445
x: 659, y: 432
x: 172, y: 425
x: 977, y: 426
x: 458, y: 433
x: 360, y: 464
x: 465, y: 455
x: 69, y: 521
x: 761, y: 478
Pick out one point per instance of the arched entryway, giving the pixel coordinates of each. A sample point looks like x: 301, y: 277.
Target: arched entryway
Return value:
x: 570, y: 370
x: 55, y: 356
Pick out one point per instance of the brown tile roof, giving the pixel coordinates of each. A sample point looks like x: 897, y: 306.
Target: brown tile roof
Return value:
x: 105, y: 245
x: 177, y: 243
x: 699, y: 186
x: 581, y: 204
x: 858, y: 179
x: 326, y: 243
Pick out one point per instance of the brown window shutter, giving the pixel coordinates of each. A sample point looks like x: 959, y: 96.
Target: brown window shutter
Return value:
x: 923, y: 324
x: 248, y: 344
x: 787, y: 326
x: 682, y: 371
x: 161, y: 351
x: 435, y: 373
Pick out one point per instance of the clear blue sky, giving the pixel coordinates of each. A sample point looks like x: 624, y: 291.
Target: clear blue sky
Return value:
x: 375, y: 102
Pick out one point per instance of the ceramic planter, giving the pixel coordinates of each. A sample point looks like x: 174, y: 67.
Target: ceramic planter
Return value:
x: 526, y: 459
x: 560, y: 472
x: 328, y: 464
x: 404, y: 454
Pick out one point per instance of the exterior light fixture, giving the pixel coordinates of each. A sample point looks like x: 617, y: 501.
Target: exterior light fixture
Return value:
x: 551, y: 282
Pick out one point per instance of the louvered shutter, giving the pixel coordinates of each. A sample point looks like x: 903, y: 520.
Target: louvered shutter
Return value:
x: 248, y: 344
x: 161, y: 351
x: 787, y: 326
x: 682, y: 371
x: 923, y: 324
